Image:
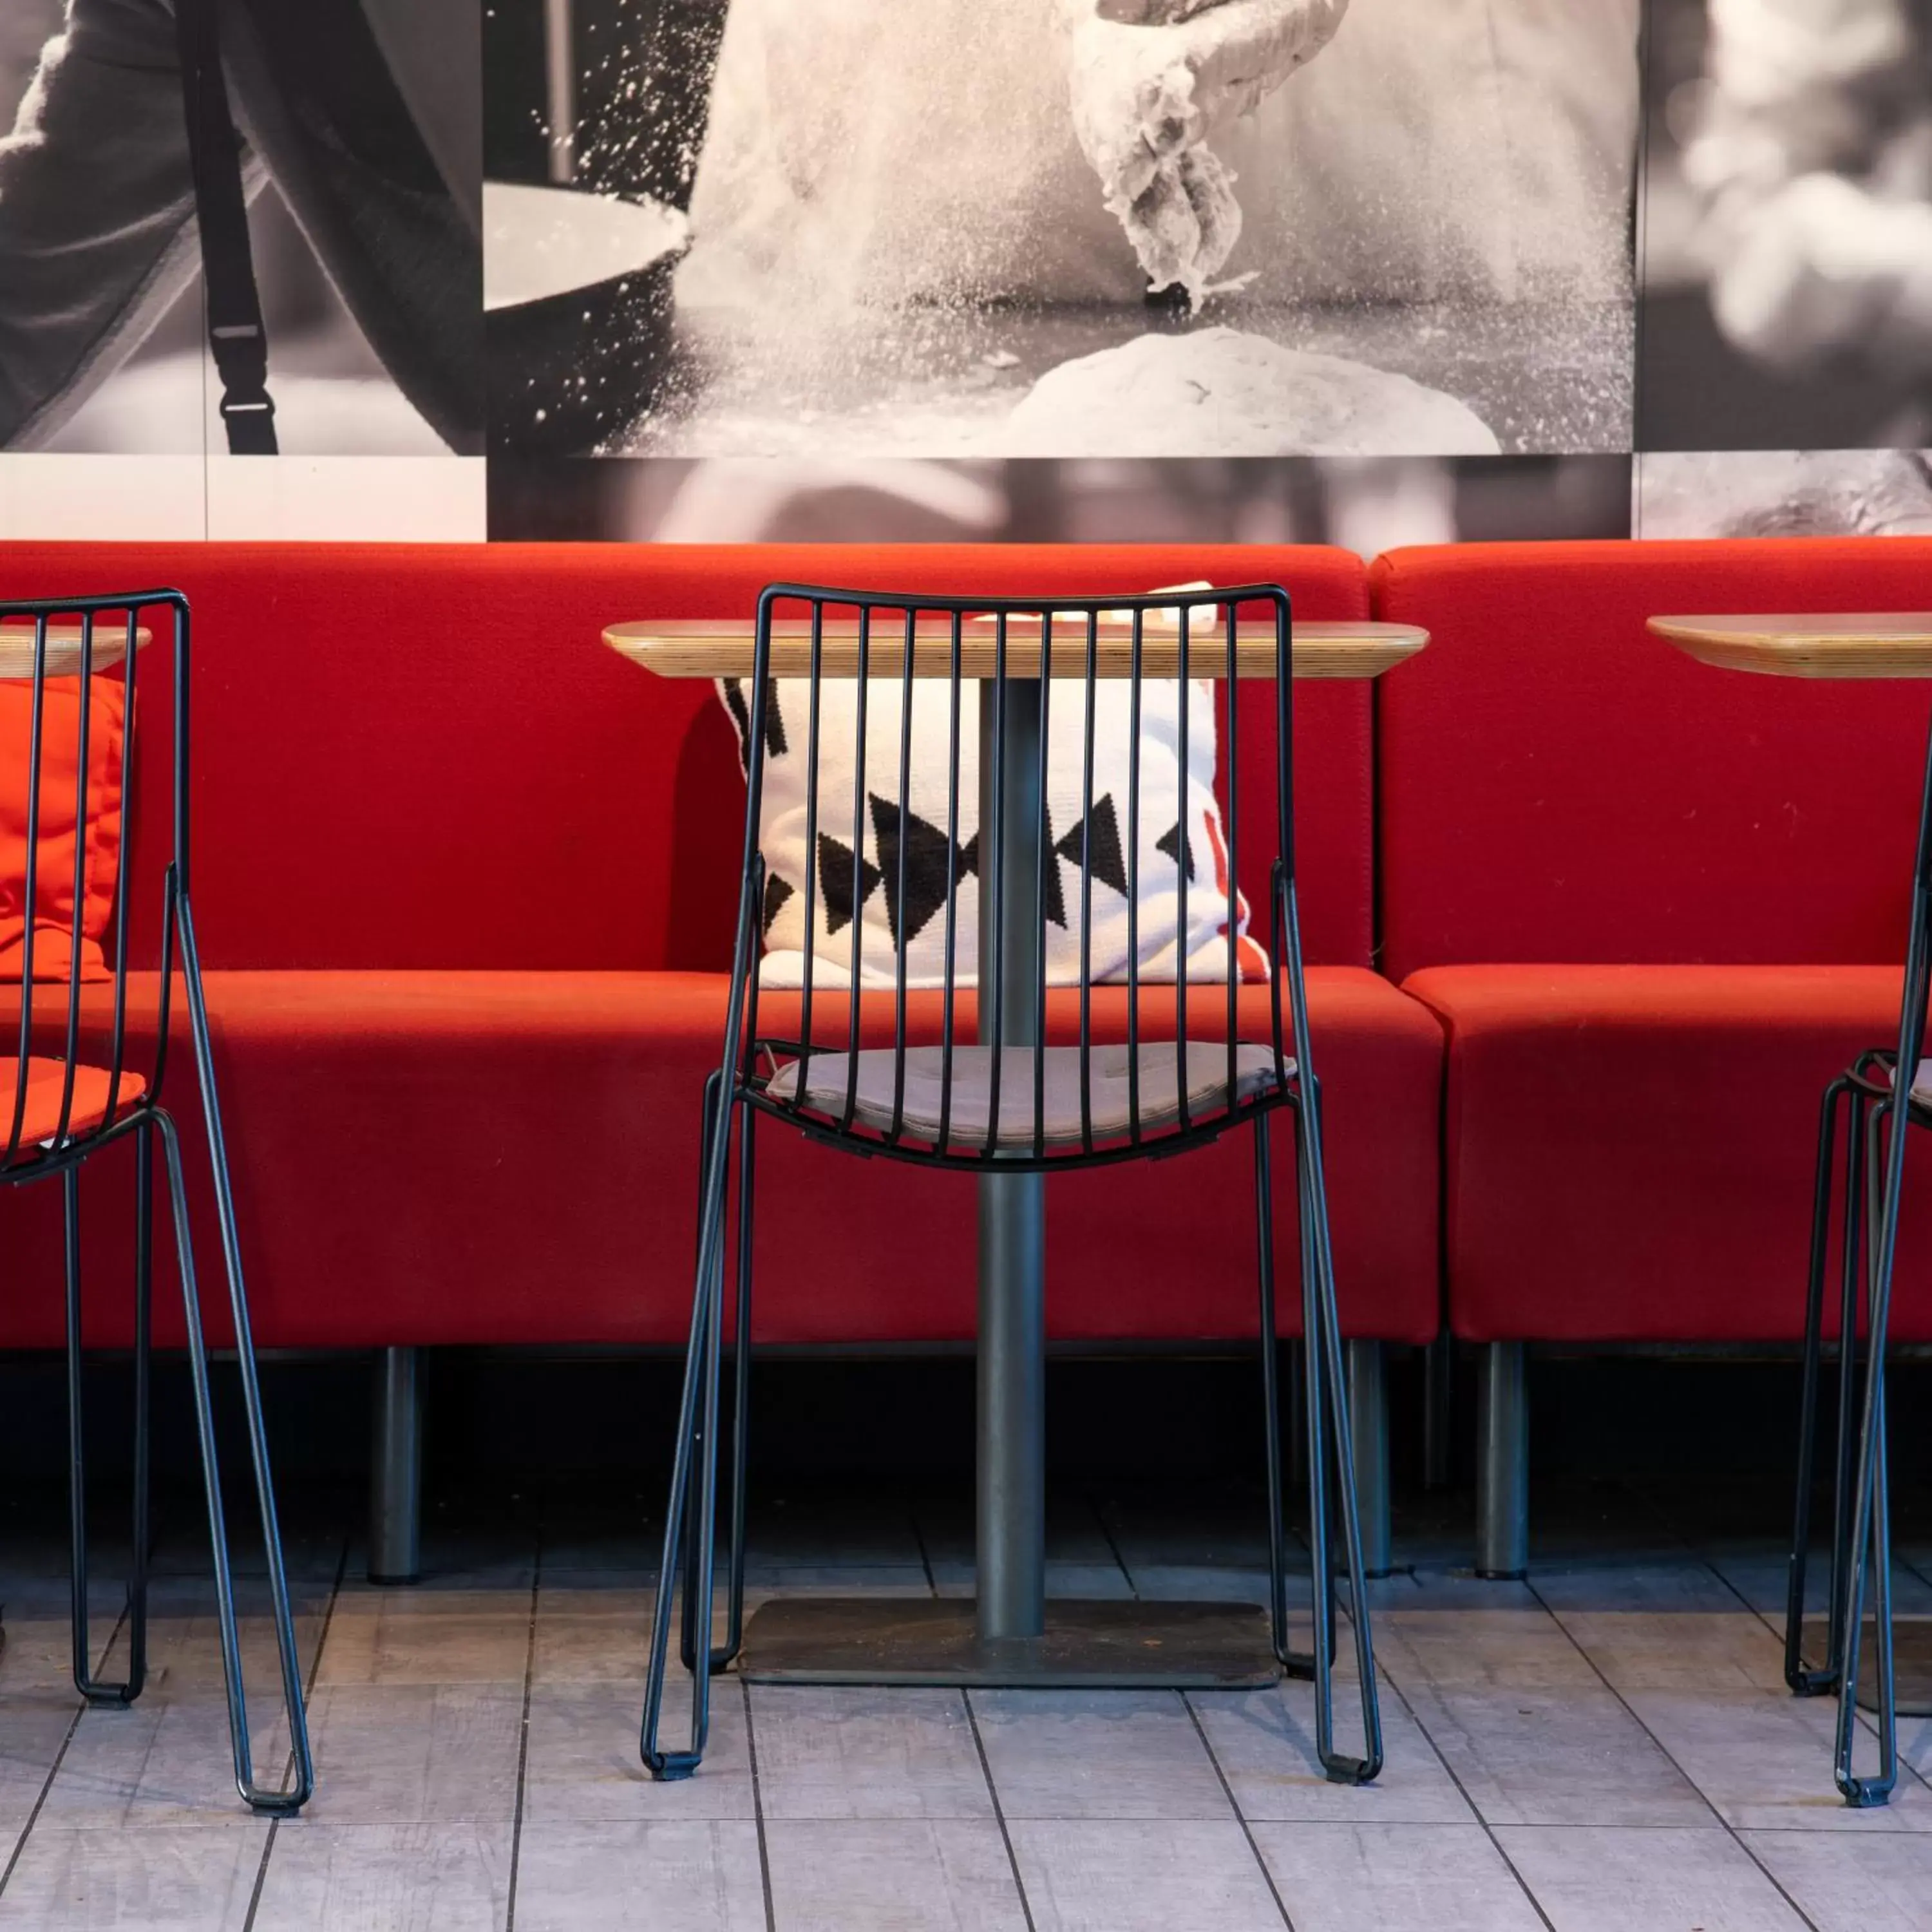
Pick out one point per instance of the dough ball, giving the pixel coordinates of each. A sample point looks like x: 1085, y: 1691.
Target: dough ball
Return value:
x: 1223, y: 392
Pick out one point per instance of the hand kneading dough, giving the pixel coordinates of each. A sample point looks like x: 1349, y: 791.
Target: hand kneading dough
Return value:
x: 1151, y: 82
x: 1222, y: 392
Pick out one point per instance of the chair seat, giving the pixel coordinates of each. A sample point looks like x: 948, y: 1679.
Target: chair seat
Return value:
x: 1111, y: 1095
x: 46, y: 1077
x: 1921, y: 1084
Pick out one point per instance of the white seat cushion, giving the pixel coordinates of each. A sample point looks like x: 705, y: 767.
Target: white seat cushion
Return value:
x: 1922, y: 1086
x: 1108, y: 1095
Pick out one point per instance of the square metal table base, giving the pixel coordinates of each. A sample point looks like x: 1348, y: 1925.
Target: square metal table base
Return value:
x: 1911, y: 1663
x: 1095, y: 1645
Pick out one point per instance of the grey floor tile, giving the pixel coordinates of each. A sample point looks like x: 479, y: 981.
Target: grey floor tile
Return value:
x: 1761, y: 1577
x: 1095, y: 1876
x: 187, y: 1879
x: 1571, y: 1755
x: 1663, y: 1627
x: 34, y: 1726
x: 1601, y: 1879
x: 671, y: 1875
x: 37, y: 1653
x: 1394, y: 1877
x: 582, y: 1760
x: 833, y: 1752
x: 416, y: 1753
x: 386, y: 1878
x: 38, y: 1705
x: 1264, y: 1741
x: 1764, y: 1760
x: 164, y: 1762
x: 1457, y: 1632
x: 393, y: 1637
x: 939, y: 1875
x: 184, y: 1632
x: 1866, y: 1884
x: 589, y: 1635
x: 1097, y: 1754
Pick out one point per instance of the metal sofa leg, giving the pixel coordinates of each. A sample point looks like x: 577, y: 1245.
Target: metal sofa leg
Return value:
x: 1502, y: 1481
x: 395, y: 1469
x: 1368, y: 1421
x: 1438, y: 1418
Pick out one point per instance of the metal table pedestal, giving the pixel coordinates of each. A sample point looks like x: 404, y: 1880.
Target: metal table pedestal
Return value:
x: 1011, y: 1635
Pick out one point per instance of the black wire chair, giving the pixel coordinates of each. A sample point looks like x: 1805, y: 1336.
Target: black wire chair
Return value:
x: 69, y: 1093
x: 1187, y: 1075
x: 1875, y: 1095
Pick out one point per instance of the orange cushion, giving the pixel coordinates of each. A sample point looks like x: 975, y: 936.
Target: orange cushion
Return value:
x: 40, y: 1114
x: 53, y: 910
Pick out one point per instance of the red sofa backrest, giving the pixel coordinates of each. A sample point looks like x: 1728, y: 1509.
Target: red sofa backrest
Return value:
x: 1557, y: 785
x: 424, y: 756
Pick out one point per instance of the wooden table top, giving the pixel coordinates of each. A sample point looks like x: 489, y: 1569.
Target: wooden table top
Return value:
x: 1894, y: 643
x: 17, y: 648
x: 711, y: 647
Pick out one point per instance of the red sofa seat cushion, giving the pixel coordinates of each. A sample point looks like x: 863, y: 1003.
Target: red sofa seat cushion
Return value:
x: 1629, y: 1149
x: 496, y: 1157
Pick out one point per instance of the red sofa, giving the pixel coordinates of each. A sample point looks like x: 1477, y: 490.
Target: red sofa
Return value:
x: 1657, y: 907
x: 464, y: 881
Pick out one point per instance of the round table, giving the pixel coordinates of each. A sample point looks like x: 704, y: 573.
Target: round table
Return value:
x: 1010, y: 1634
x: 1880, y: 644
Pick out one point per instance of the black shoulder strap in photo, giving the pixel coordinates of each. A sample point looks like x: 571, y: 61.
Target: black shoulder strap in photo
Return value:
x: 234, y: 332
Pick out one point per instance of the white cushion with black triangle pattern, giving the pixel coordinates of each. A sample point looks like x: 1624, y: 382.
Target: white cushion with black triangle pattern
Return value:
x: 1171, y: 830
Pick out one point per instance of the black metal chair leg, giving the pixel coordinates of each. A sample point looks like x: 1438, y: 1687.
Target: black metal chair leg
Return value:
x: 1871, y: 1539
x: 722, y: 1655
x: 741, y: 1393
x: 690, y: 1537
x: 144, y: 1337
x: 277, y: 1802
x: 1327, y: 1429
x: 1271, y: 1399
x: 1803, y: 1682
x: 707, y: 1129
x: 1307, y: 1414
x: 91, y: 1688
x: 1861, y: 1223
x: 1314, y: 1456
x: 269, y: 1800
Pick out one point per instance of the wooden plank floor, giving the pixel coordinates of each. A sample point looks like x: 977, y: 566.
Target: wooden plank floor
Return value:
x: 1608, y: 1745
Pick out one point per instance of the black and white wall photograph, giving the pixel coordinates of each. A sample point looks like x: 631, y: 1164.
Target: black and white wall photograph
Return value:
x: 358, y: 121
x: 1089, y: 270
x: 1786, y: 270
x: 1784, y: 493
x: 836, y: 230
